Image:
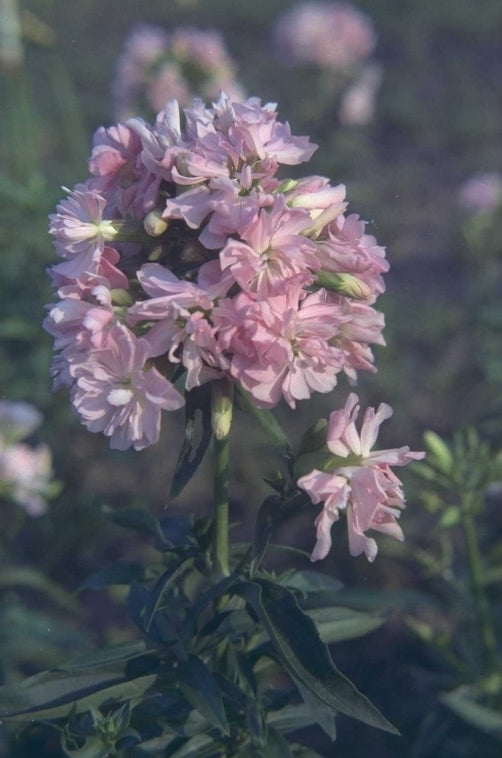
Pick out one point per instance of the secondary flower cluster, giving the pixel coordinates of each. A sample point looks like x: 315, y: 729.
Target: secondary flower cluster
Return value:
x: 336, y: 40
x: 357, y: 481
x: 330, y: 35
x: 156, y: 66
x: 25, y: 470
x: 186, y: 256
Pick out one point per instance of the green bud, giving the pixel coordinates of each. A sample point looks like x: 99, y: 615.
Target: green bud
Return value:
x: 221, y: 408
x: 287, y: 185
x: 314, y: 438
x: 439, y: 451
x: 121, y: 297
x: 450, y: 517
x: 344, y: 284
x: 154, y: 224
x: 329, y: 214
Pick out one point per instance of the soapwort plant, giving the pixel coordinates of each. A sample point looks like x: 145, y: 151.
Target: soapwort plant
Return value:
x: 193, y: 275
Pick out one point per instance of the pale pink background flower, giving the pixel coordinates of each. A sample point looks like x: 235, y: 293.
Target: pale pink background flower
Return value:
x: 25, y: 474
x: 157, y: 65
x: 481, y: 193
x: 358, y: 102
x: 25, y: 469
x: 330, y: 35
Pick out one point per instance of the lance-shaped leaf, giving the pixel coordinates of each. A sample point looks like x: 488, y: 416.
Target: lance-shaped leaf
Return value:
x: 275, y: 745
x: 480, y: 716
x: 265, y: 521
x: 135, y: 518
x: 121, y: 652
x: 198, y: 433
x: 337, y: 624
x: 55, y: 694
x: 266, y: 419
x: 199, y: 746
x: 272, y: 511
x: 304, y: 655
x: 93, y: 747
x: 200, y: 688
x: 27, y: 578
x: 157, y: 592
x: 320, y: 713
x: 122, y: 572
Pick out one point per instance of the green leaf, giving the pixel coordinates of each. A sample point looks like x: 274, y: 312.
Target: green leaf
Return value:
x: 122, y: 572
x: 291, y: 717
x: 479, y: 716
x: 304, y: 655
x: 26, y: 578
x: 123, y: 651
x: 265, y: 521
x: 266, y: 419
x: 160, y: 587
x: 200, y: 688
x: 92, y: 748
x: 307, y: 582
x: 320, y: 713
x: 199, y: 746
x: 337, y: 624
x: 275, y: 745
x: 314, y: 438
x: 54, y: 694
x: 198, y: 434
x: 138, y: 519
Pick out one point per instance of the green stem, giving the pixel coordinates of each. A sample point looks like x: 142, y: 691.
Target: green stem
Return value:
x: 221, y: 477
x: 476, y: 570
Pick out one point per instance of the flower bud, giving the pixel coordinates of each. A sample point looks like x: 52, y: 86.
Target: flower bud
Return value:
x: 344, y: 284
x: 121, y: 297
x: 154, y: 224
x: 439, y: 451
x: 315, y: 437
x: 221, y: 408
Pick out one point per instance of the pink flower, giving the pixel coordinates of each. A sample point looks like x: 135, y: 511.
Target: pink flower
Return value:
x: 181, y: 310
x: 363, y: 325
x: 217, y: 267
x: 80, y: 231
x: 115, y: 392
x: 118, y: 171
x: 271, y: 251
x: 281, y: 345
x: 359, y: 481
x: 345, y: 248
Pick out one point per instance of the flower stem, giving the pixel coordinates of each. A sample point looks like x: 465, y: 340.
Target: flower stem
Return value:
x: 221, y: 476
x: 221, y: 420
x: 476, y: 570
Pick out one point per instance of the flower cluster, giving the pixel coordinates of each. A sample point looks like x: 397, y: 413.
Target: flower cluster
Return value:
x: 329, y: 35
x: 185, y: 255
x: 357, y: 481
x: 156, y: 66
x: 25, y: 469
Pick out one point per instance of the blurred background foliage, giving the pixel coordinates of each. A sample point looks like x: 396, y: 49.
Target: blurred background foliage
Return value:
x: 438, y: 121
